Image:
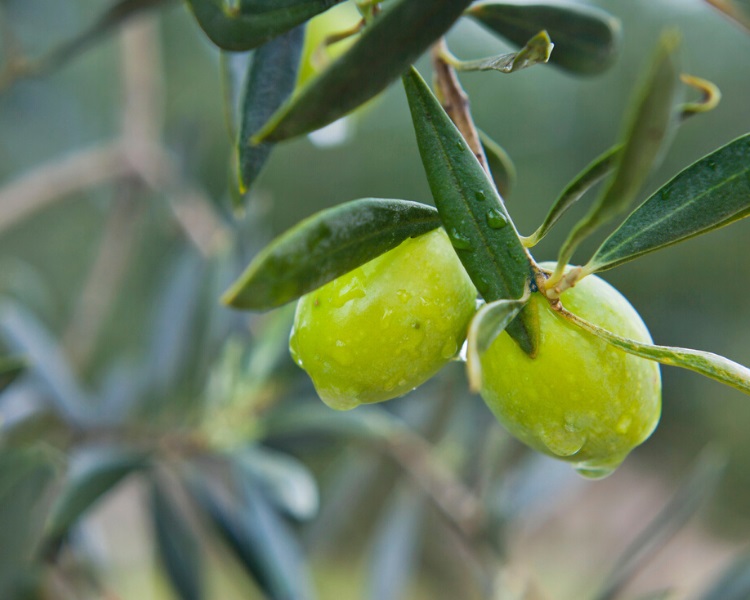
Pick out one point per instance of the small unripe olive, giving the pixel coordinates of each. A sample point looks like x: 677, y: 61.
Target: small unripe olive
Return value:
x: 386, y: 327
x: 580, y: 399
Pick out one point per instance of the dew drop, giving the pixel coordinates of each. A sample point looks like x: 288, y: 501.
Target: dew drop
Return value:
x: 599, y: 468
x: 496, y: 219
x: 459, y: 241
x: 449, y: 349
x: 562, y: 441
x: 479, y: 196
x: 403, y: 295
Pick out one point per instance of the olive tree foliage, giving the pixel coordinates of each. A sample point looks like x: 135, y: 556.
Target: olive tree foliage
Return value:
x: 205, y: 430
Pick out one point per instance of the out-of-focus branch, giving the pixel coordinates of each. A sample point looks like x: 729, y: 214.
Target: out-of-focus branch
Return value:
x: 455, y: 101
x: 105, y: 278
x: 137, y: 153
x: 62, y: 177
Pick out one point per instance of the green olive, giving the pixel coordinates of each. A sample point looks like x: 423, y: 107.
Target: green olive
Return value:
x: 580, y: 399
x: 386, y: 327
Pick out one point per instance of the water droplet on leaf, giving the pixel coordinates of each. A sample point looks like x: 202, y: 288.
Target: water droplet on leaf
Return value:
x: 496, y: 219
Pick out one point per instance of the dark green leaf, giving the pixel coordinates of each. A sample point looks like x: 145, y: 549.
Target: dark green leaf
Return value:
x: 234, y: 67
x: 270, y: 81
x: 396, y: 544
x: 574, y: 191
x: 711, y: 193
x: 27, y: 336
x: 260, y: 539
x: 489, y: 322
x: 536, y: 51
x: 10, y: 368
x: 651, y: 122
x: 733, y: 583
x: 586, y: 39
x: 325, y: 246
x: 711, y: 365
x: 25, y: 479
x: 501, y: 165
x: 738, y: 10
x: 252, y: 23
x: 480, y: 228
x: 283, y: 479
x: 97, y: 476
x: 386, y: 49
x: 179, y: 547
x: 692, y: 495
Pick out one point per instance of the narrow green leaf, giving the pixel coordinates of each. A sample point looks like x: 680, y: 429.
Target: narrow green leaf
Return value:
x: 234, y: 67
x: 84, y: 488
x: 536, y: 51
x: 260, y: 539
x: 586, y: 39
x: 597, y: 170
x: 270, y: 81
x: 178, y: 545
x: 10, y: 368
x: 396, y: 543
x: 384, y: 51
x: 733, y: 583
x: 489, y: 322
x: 252, y: 23
x: 325, y: 246
x: 687, y: 500
x: 478, y: 224
x: 501, y: 165
x: 708, y: 364
x: 285, y: 480
x: 710, y: 193
x: 737, y: 10
x: 650, y: 124
x: 25, y: 480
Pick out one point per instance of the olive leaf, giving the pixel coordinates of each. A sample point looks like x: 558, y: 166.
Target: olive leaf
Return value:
x: 708, y: 364
x: 325, y: 246
x: 385, y: 50
x: 733, y: 583
x: 284, y: 480
x: 536, y: 51
x: 262, y: 541
x: 586, y: 39
x: 233, y: 67
x: 710, y: 193
x: 649, y: 126
x: 270, y: 81
x: 738, y: 10
x: 10, y: 368
x: 694, y: 492
x: 179, y: 546
x: 396, y: 544
x: 500, y: 163
x: 475, y: 217
x: 489, y: 322
x: 597, y: 170
x: 251, y: 23
x: 87, y: 485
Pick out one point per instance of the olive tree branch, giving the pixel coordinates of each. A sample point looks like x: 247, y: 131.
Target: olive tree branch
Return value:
x: 455, y: 101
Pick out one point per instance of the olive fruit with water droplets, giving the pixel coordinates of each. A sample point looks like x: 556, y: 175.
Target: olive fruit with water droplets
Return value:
x: 581, y: 399
x: 386, y: 327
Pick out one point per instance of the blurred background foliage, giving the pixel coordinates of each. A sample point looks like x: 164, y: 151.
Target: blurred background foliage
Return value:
x: 161, y: 446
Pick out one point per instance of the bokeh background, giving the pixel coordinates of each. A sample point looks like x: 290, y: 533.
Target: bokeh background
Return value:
x: 112, y: 262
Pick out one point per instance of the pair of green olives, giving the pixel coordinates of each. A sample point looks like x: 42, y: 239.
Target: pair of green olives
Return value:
x: 387, y: 327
